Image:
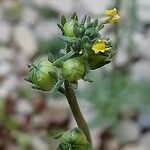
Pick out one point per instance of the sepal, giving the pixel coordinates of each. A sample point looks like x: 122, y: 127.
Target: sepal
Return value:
x: 63, y: 20
x: 74, y: 16
x: 51, y: 57
x: 95, y: 23
x: 60, y: 27
x: 87, y: 78
x: 27, y: 78
x: 83, y: 20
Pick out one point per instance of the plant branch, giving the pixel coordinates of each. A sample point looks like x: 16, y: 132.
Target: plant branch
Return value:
x: 65, y: 57
x: 76, y: 110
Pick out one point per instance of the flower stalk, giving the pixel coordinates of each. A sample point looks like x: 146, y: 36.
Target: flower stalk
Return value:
x: 70, y: 95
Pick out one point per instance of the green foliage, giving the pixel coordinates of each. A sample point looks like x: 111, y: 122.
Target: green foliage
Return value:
x: 109, y: 94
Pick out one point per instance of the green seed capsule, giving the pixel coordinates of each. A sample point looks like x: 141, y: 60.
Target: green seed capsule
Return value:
x: 43, y: 74
x: 74, y: 137
x: 69, y: 28
x: 73, y: 69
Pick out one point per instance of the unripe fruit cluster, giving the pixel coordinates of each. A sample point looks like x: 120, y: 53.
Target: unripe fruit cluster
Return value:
x: 44, y: 75
x: 80, y: 58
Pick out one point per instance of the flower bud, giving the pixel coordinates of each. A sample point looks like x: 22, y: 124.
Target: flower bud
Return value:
x: 74, y: 136
x: 42, y: 74
x: 69, y: 28
x: 113, y: 16
x: 73, y: 69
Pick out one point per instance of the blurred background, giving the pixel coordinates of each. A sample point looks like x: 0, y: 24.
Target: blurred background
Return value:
x: 116, y: 105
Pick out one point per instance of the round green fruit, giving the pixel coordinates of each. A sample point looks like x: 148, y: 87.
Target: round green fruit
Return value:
x: 74, y: 137
x: 73, y: 69
x: 69, y: 28
x: 43, y: 74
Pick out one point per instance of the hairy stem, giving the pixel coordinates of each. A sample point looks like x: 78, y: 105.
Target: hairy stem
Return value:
x: 59, y: 61
x: 76, y: 110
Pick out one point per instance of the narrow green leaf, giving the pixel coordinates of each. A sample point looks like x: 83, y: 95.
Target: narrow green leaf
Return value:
x: 57, y: 86
x: 60, y: 26
x: 95, y: 23
x: 63, y: 20
x: 89, y: 24
x: 58, y: 135
x: 83, y: 20
x: 74, y: 16
x: 51, y: 57
x: 88, y: 19
x: 101, y: 27
x: 27, y: 78
x: 77, y: 31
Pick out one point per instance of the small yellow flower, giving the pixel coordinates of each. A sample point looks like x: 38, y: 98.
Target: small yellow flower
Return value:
x: 112, y: 15
x: 99, y: 46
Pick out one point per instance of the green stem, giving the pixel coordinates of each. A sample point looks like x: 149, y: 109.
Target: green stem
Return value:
x: 76, y: 110
x: 57, y: 86
x: 59, y: 61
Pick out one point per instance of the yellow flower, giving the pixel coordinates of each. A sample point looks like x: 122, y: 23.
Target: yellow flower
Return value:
x: 99, y: 46
x: 112, y: 15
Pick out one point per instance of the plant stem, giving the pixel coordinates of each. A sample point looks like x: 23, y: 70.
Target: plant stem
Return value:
x: 76, y: 110
x: 65, y: 57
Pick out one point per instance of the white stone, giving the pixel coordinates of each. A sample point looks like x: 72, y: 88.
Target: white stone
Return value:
x: 8, y: 86
x: 24, y: 107
x: 6, y: 53
x: 142, y: 43
x: 66, y: 7
x: 39, y: 144
x: 30, y: 16
x: 144, y: 10
x: 57, y: 111
x: 47, y: 29
x: 20, y: 63
x: 3, y: 92
x: 95, y: 6
x: 145, y: 141
x: 37, y: 120
x: 134, y: 147
x: 5, y: 68
x: 25, y: 40
x: 121, y: 57
x: 140, y: 70
x: 5, y: 32
x: 128, y: 131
